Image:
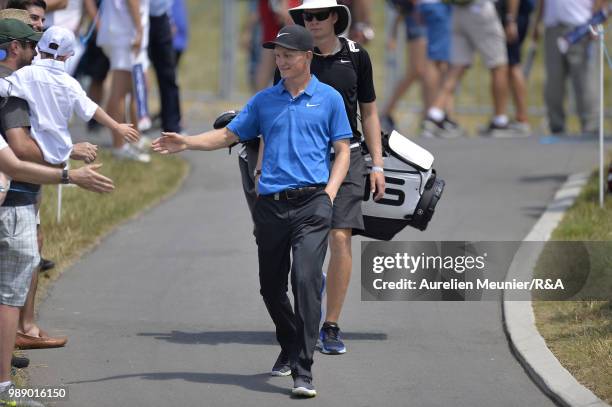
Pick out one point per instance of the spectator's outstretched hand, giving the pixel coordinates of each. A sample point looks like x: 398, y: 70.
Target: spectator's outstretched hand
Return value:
x: 169, y: 143
x: 88, y: 178
x: 128, y: 132
x: 86, y: 152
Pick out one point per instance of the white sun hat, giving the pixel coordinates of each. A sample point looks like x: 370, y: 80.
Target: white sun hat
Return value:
x: 344, y: 15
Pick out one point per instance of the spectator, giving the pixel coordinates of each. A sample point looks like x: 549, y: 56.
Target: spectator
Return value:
x: 180, y: 28
x: 361, y: 29
x: 69, y: 16
x: 64, y: 13
x: 436, y: 16
x: 346, y: 66
x: 123, y: 36
x: 577, y: 64
x: 417, y: 56
x: 273, y: 15
x: 19, y: 252
x: 33, y: 14
x: 516, y: 23
x: 476, y: 27
x: 250, y: 41
x: 53, y: 96
x: 94, y: 63
x: 161, y: 54
x: 36, y: 8
x: 297, y: 187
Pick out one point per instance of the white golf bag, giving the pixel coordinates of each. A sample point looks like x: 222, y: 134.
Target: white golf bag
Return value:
x: 412, y: 189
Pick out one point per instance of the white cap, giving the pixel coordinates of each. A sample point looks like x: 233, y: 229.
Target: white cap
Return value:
x: 57, y: 41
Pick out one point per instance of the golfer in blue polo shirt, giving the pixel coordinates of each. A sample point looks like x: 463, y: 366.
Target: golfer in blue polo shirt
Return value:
x: 299, y: 119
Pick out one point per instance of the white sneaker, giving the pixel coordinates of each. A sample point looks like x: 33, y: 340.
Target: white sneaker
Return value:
x: 511, y: 130
x: 127, y: 152
x: 523, y: 129
x: 144, y: 124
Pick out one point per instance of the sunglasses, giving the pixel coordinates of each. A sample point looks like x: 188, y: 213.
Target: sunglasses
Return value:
x: 320, y: 16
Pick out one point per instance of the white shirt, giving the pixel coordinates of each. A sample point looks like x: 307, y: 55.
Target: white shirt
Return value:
x: 3, y: 144
x: 53, y: 96
x: 69, y: 17
x: 116, y: 25
x: 569, y: 12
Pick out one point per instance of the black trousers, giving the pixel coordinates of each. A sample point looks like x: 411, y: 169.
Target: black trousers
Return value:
x: 161, y: 53
x: 295, y: 229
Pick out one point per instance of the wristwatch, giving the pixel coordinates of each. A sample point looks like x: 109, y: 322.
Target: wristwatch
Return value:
x: 256, y: 173
x: 378, y: 169
x: 65, y: 177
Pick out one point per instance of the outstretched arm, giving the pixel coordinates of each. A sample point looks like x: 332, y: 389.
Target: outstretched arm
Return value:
x: 85, y: 177
x: 170, y: 143
x: 127, y: 130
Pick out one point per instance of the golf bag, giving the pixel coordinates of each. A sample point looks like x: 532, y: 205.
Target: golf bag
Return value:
x: 412, y: 189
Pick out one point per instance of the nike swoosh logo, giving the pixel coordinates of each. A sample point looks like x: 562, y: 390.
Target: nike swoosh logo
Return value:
x: 309, y: 105
x: 344, y: 61
x: 281, y: 34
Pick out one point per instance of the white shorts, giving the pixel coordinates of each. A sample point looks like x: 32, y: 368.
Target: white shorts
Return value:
x: 122, y: 58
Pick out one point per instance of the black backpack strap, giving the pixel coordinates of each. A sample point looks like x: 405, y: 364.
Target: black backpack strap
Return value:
x: 353, y: 51
x: 354, y: 57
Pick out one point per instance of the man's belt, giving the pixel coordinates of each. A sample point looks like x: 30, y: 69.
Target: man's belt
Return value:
x: 295, y: 193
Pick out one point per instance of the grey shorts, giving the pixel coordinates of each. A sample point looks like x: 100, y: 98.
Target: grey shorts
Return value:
x: 347, y: 205
x: 477, y: 27
x: 18, y: 253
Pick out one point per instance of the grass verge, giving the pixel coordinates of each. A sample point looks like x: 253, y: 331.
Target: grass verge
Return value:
x: 579, y: 333
x: 87, y: 217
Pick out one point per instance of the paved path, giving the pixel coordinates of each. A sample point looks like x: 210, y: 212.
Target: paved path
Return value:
x: 166, y: 311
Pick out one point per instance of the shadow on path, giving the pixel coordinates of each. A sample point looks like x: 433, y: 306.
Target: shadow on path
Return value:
x: 244, y: 337
x: 257, y: 382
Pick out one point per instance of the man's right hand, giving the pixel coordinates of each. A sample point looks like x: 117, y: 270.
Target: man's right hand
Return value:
x: 86, y: 152
x: 88, y: 178
x: 169, y: 143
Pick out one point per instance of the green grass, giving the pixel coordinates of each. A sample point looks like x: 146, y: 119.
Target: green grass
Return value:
x: 579, y: 333
x: 580, y: 336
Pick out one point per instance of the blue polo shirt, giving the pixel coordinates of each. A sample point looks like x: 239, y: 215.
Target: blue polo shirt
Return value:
x: 297, y: 132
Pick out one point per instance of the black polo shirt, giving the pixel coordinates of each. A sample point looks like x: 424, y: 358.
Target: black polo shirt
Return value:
x: 349, y: 72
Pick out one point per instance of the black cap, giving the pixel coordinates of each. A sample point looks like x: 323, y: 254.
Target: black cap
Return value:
x: 293, y: 37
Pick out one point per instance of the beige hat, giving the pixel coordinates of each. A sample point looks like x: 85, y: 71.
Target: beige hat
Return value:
x: 16, y: 14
